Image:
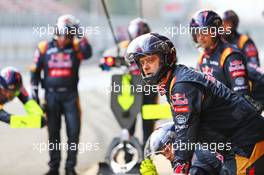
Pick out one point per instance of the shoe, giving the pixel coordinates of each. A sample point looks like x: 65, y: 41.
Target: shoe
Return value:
x: 70, y: 172
x: 53, y: 172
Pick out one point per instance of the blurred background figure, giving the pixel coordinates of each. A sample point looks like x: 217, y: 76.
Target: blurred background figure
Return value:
x: 218, y: 59
x: 11, y: 86
x: 59, y: 59
x: 249, y: 49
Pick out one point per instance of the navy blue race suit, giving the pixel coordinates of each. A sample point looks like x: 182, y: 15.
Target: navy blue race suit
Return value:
x: 61, y: 67
x: 255, y: 73
x: 228, y: 65
x: 199, y: 101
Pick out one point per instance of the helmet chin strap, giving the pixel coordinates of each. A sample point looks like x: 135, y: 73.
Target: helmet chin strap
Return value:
x: 165, y: 79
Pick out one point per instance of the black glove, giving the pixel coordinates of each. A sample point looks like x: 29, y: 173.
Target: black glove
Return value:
x: 43, y: 122
x: 35, y: 96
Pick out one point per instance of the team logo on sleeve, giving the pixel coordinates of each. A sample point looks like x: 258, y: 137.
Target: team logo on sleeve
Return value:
x: 179, y: 99
x: 237, y: 69
x: 180, y: 102
x: 181, y: 109
x: 181, y: 119
x: 251, y: 51
x: 240, y: 81
x: 236, y: 65
x: 240, y: 73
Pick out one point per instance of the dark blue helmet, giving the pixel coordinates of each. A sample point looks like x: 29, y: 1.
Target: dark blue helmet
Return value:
x: 149, y: 44
x: 2, y: 83
x: 137, y: 27
x: 204, y: 19
x: 3, y: 90
x: 231, y: 16
x: 13, y: 79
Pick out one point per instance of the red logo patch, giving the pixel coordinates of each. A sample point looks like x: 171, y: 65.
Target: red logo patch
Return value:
x: 181, y: 109
x: 251, y: 51
x: 60, y: 72
x: 241, y: 73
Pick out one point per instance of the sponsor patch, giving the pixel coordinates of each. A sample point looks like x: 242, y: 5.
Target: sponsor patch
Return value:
x: 181, y: 119
x: 240, y: 73
x: 181, y: 126
x: 251, y: 51
x: 236, y: 62
x: 236, y: 65
x: 214, y: 63
x: 181, y: 109
x: 60, y: 60
x: 179, y: 99
x: 235, y: 68
x: 180, y: 102
x: 237, y: 88
x: 179, y: 95
x: 57, y: 72
x: 240, y: 81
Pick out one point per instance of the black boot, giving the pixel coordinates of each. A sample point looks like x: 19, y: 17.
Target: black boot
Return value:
x: 70, y: 172
x: 52, y: 172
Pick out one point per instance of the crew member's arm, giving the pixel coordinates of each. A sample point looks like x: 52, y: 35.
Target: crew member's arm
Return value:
x: 36, y: 69
x: 34, y: 115
x: 186, y: 100
x: 82, y: 48
x: 236, y: 73
x: 33, y: 118
x: 255, y: 72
